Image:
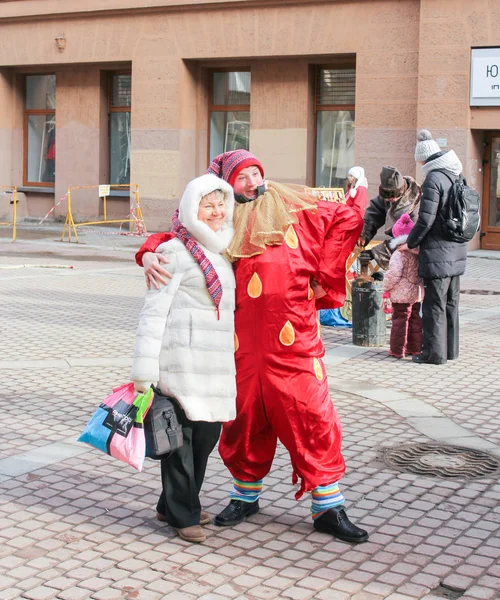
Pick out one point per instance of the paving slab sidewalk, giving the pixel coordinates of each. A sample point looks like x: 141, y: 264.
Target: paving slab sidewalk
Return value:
x: 77, y: 524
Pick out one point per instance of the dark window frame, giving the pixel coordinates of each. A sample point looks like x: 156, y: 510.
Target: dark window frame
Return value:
x: 326, y: 107
x: 223, y: 107
x: 116, y: 109
x: 27, y: 112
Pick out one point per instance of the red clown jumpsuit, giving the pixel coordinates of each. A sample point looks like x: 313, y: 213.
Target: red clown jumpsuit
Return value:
x: 282, y: 387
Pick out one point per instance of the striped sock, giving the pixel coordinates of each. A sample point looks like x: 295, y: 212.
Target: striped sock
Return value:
x: 325, y: 497
x: 246, y: 491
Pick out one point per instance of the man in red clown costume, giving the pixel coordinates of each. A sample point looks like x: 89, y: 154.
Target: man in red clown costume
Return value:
x: 289, y: 252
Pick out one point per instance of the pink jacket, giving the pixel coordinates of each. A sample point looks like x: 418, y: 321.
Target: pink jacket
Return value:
x: 401, y: 279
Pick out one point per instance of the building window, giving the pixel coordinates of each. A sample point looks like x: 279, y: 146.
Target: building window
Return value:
x: 40, y: 130
x: 229, y: 111
x: 120, y: 100
x: 334, y: 111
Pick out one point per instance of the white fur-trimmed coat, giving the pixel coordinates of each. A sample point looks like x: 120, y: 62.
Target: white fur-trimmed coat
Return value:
x: 180, y: 344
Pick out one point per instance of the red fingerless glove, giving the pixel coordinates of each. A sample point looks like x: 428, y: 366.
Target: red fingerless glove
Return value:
x: 386, y: 303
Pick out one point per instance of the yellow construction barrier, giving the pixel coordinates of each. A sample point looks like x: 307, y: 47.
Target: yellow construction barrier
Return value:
x: 10, y: 189
x: 135, y: 215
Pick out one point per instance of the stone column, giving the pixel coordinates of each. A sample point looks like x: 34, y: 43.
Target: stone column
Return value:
x: 443, y: 90
x: 10, y: 146
x: 78, y: 138
x: 386, y: 113
x: 448, y: 29
x: 279, y: 114
x: 6, y: 125
x: 163, y: 153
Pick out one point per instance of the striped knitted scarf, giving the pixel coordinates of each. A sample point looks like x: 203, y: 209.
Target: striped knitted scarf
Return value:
x: 214, y: 285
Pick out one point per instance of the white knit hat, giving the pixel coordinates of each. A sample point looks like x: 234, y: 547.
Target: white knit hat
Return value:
x: 426, y: 146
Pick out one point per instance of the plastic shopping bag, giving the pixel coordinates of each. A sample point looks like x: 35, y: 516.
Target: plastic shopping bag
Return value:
x: 116, y: 427
x: 332, y: 317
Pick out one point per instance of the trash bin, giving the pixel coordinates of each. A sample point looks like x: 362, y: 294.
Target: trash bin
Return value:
x: 368, y: 317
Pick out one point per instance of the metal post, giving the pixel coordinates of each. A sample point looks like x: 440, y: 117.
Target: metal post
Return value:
x: 14, y: 231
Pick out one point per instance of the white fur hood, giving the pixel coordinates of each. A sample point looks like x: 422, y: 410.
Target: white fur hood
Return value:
x: 188, y: 212
x: 181, y: 345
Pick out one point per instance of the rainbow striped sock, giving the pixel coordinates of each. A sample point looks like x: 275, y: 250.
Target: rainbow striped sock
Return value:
x: 325, y: 497
x: 246, y: 491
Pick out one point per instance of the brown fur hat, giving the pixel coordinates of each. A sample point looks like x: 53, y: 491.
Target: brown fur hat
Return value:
x: 392, y: 183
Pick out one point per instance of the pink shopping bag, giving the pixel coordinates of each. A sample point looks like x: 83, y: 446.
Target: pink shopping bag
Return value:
x: 117, y: 428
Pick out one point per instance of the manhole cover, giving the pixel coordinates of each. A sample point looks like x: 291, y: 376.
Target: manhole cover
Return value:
x: 439, y: 460
x: 448, y: 591
x: 481, y: 292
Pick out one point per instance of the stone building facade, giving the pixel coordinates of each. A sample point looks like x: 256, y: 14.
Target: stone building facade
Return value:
x: 145, y: 91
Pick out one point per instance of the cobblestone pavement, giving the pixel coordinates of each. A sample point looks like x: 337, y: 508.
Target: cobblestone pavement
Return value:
x: 76, y: 524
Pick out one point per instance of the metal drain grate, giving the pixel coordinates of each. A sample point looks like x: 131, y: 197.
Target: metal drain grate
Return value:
x: 439, y: 460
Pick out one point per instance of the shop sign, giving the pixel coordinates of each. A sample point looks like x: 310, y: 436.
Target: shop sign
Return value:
x: 485, y: 77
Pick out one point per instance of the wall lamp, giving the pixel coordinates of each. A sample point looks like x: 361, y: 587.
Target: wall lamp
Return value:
x: 61, y: 42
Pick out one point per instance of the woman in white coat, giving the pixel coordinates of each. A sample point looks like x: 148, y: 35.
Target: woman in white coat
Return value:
x: 357, y: 194
x: 185, y: 345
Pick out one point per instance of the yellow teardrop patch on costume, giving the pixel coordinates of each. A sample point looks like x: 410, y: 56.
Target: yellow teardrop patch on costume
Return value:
x: 291, y: 239
x: 236, y: 343
x: 310, y: 293
x: 318, y: 370
x: 254, y: 288
x: 319, y: 327
x: 287, y: 334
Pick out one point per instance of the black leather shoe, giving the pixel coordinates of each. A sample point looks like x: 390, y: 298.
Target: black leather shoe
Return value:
x: 336, y: 522
x: 236, y: 512
x: 419, y: 359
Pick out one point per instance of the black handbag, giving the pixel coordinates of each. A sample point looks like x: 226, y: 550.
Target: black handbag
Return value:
x: 162, y: 429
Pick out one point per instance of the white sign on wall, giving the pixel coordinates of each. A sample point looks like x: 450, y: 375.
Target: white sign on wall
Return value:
x: 104, y: 190
x: 485, y: 77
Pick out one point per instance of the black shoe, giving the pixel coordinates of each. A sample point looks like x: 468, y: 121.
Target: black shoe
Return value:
x: 336, y: 522
x: 419, y: 359
x: 236, y: 512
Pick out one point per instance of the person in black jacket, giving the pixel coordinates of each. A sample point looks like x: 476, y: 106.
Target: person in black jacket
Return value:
x: 397, y: 195
x: 441, y: 261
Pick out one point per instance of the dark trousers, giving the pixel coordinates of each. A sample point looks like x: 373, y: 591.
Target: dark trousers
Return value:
x: 183, y: 471
x: 440, y: 319
x: 406, y: 330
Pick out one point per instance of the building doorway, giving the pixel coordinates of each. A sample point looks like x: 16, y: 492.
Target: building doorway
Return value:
x: 490, y: 217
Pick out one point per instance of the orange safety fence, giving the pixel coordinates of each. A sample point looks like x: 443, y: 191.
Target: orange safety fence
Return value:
x: 135, y: 215
x: 10, y: 189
